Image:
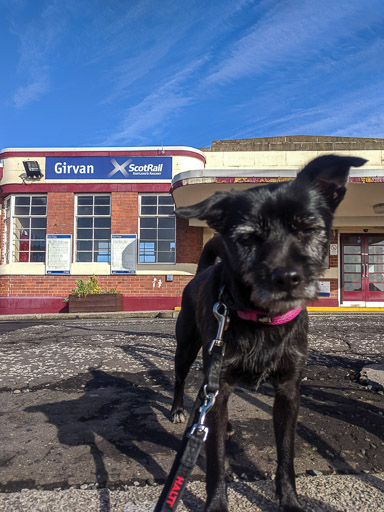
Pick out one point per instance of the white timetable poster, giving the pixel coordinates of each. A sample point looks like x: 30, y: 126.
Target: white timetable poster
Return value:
x: 58, y: 254
x: 123, y: 254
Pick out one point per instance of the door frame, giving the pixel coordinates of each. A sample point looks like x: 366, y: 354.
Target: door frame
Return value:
x: 362, y: 302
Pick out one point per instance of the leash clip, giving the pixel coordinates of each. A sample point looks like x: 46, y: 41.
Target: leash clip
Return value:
x: 223, y: 320
x: 200, y: 427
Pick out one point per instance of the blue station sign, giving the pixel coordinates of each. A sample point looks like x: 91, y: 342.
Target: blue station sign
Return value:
x: 108, y: 168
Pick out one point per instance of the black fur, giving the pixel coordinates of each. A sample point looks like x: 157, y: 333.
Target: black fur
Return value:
x: 273, y: 241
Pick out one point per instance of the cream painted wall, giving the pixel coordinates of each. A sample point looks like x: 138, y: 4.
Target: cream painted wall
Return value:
x: 282, y: 159
x: 101, y: 269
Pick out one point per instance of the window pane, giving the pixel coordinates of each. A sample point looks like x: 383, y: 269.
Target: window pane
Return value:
x: 102, y: 233
x: 148, y: 210
x: 352, y: 259
x: 83, y: 245
x: 352, y: 277
x: 376, y: 249
x: 376, y: 278
x: 145, y: 200
x: 101, y: 210
x: 38, y: 245
x: 39, y: 201
x: 352, y: 268
x: 102, y: 222
x: 352, y: 239
x: 85, y: 222
x: 148, y: 222
x: 352, y: 287
x: 166, y: 246
x: 375, y: 268
x: 83, y: 200
x: 38, y: 234
x: 22, y: 210
x: 101, y: 200
x: 22, y: 200
x: 166, y: 210
x: 376, y: 287
x: 376, y: 239
x: 84, y: 257
x: 167, y: 222
x: 148, y: 234
x: 166, y: 257
x: 348, y: 249
x: 38, y: 210
x: 37, y: 257
x: 84, y: 210
x: 163, y: 200
x: 84, y: 234
x: 39, y: 222
x: 102, y: 245
x: 166, y: 234
x: 376, y: 259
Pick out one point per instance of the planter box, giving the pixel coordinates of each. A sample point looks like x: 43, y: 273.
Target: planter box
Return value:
x: 94, y: 303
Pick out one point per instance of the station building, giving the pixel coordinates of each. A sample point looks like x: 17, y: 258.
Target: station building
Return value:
x: 68, y: 214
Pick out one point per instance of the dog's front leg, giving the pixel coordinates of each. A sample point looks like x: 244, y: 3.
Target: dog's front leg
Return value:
x: 285, y: 412
x: 217, y: 420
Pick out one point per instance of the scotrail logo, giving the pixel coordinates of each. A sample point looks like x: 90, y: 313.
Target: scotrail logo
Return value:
x: 119, y: 168
x: 135, y: 170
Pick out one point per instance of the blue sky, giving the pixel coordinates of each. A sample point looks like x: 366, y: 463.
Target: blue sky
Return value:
x: 186, y: 72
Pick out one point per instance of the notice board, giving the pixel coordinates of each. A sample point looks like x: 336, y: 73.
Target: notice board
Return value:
x: 58, y: 254
x: 123, y: 254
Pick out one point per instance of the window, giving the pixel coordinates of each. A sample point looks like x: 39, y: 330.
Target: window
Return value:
x: 25, y: 229
x: 93, y: 228
x: 157, y: 229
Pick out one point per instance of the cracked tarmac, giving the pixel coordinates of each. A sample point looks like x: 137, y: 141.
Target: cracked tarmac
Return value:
x: 86, y: 402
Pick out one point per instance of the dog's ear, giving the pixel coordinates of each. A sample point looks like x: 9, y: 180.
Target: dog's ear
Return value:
x: 329, y: 174
x: 215, y: 210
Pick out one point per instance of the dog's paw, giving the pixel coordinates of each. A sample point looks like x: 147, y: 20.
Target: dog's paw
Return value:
x: 230, y: 430
x: 178, y: 416
x: 291, y: 508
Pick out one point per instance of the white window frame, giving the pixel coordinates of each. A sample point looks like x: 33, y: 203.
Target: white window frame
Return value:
x: 76, y: 216
x: 9, y: 229
x: 157, y: 216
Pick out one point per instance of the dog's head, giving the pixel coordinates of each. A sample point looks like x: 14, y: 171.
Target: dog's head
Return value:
x: 276, y: 236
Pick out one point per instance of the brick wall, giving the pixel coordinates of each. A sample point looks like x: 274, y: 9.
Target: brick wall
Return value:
x: 60, y: 213
x: 61, y: 286
x: 125, y: 211
x: 334, y: 259
x: 189, y: 242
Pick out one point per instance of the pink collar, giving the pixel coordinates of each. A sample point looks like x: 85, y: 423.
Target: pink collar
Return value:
x: 260, y: 316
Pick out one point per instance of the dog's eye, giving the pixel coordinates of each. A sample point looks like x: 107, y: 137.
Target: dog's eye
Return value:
x: 249, y: 240
x: 306, y: 225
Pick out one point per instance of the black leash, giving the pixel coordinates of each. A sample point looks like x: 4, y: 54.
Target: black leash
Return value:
x: 196, y: 432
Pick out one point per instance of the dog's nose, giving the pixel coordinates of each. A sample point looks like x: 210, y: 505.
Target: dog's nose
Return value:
x: 286, y: 278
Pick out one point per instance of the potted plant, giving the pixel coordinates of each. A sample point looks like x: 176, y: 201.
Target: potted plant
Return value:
x: 88, y: 297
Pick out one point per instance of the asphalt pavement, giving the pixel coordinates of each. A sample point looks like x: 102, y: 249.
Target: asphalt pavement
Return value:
x: 85, y: 402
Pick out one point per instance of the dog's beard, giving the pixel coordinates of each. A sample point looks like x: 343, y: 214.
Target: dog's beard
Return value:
x: 278, y: 301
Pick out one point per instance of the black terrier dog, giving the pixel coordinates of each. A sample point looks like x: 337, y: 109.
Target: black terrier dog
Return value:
x: 272, y: 242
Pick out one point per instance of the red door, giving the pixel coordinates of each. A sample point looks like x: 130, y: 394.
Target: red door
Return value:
x: 363, y: 267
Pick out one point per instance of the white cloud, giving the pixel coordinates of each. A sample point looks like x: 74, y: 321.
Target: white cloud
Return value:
x: 290, y: 33
x: 141, y: 122
x: 33, y: 91
x: 38, y: 38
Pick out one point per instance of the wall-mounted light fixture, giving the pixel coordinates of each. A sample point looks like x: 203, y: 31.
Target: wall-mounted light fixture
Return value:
x: 32, y: 168
x: 378, y: 208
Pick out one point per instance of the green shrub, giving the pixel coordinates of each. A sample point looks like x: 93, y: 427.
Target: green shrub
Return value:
x: 89, y: 287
